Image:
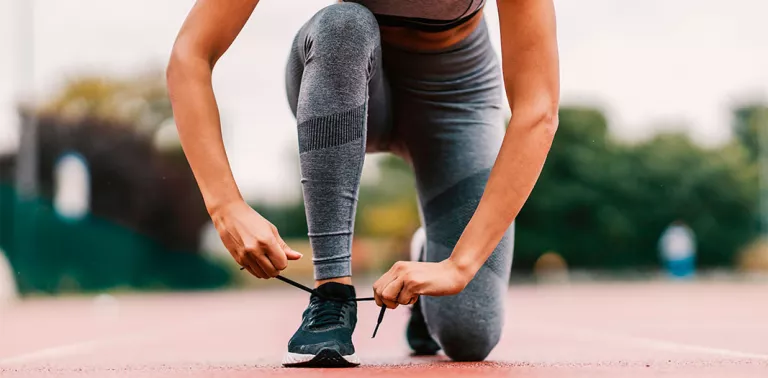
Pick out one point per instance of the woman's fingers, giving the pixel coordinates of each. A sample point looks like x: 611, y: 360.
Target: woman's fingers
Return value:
x: 275, y: 253
x: 379, y: 286
x: 290, y: 254
x: 266, y: 265
x: 266, y: 254
x: 390, y: 293
x: 260, y: 271
x: 293, y: 255
x: 406, y: 296
x: 243, y: 258
x: 255, y: 270
x: 248, y: 268
x: 254, y: 242
x: 251, y: 260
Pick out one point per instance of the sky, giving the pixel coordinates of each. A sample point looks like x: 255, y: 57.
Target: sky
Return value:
x: 651, y: 65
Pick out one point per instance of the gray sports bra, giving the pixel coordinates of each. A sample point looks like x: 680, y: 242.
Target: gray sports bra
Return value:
x: 426, y: 15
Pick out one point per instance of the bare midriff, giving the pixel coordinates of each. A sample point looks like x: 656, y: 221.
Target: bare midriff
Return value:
x: 412, y: 39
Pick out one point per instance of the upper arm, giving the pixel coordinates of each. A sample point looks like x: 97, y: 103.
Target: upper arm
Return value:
x: 529, y: 53
x: 210, y: 28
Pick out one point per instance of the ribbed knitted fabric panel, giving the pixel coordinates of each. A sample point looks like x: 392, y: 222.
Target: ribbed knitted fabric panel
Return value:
x: 332, y: 130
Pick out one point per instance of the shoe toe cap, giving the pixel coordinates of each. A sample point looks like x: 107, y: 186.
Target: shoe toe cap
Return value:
x: 342, y: 348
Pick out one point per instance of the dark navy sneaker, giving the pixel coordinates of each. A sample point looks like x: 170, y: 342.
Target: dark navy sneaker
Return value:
x: 324, y: 338
x: 417, y: 333
x: 419, y: 339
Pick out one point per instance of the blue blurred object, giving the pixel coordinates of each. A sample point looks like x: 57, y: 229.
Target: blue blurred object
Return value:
x: 681, y: 268
x: 677, y: 247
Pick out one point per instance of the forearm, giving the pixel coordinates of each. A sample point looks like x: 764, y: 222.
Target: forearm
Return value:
x: 532, y: 81
x: 197, y: 119
x: 517, y: 168
x: 511, y: 181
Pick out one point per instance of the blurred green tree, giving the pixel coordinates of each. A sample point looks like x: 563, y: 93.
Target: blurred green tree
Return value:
x: 140, y: 102
x: 603, y: 204
x: 388, y: 206
x: 747, y: 120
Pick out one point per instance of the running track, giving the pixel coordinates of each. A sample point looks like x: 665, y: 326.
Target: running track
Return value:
x: 582, y: 330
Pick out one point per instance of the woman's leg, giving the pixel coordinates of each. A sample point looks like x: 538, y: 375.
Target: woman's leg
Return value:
x: 335, y: 85
x: 337, y: 91
x: 449, y: 121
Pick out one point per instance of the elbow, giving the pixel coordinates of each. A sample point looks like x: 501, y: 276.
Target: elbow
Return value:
x: 174, y: 68
x: 549, y: 121
x: 177, y: 65
x: 184, y: 64
x: 542, y: 120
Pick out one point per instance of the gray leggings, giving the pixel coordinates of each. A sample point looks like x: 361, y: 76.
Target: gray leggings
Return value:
x: 441, y: 111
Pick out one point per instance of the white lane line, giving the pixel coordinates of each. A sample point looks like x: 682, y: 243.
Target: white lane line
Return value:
x: 666, y: 345
x: 91, y: 346
x: 66, y: 350
x: 54, y: 352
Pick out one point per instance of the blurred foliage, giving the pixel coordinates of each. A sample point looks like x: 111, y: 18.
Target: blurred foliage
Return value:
x: 753, y: 258
x: 140, y: 102
x: 603, y: 204
x: 387, y: 208
x: 746, y: 126
x: 146, y: 212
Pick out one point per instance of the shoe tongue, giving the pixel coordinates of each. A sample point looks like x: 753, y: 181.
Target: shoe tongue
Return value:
x: 336, y: 290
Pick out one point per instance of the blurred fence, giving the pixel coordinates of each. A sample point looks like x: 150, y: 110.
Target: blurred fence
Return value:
x: 143, y: 214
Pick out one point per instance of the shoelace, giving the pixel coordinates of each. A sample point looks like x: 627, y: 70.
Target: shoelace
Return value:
x: 317, y: 293
x: 326, y: 313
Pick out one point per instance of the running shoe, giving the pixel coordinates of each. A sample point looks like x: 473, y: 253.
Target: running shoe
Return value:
x: 324, y: 338
x: 417, y: 333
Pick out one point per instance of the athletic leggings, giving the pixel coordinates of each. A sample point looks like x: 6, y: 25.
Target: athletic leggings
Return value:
x: 439, y: 110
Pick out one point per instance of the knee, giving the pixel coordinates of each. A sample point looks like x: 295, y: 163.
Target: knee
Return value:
x: 468, y: 325
x: 347, y: 25
x: 466, y: 344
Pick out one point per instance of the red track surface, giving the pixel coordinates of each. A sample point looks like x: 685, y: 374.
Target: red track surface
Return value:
x: 587, y: 330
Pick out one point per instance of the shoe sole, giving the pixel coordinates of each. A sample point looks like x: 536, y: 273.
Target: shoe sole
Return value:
x: 324, y: 358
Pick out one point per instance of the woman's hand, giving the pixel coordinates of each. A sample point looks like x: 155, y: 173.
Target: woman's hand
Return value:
x: 252, y: 240
x: 406, y: 280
